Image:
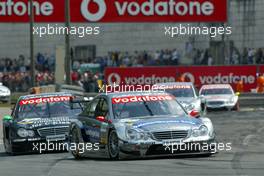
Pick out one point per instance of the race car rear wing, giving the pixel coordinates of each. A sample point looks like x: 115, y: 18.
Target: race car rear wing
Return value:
x: 81, y: 101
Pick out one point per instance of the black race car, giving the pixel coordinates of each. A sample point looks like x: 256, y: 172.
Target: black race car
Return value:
x: 37, y: 119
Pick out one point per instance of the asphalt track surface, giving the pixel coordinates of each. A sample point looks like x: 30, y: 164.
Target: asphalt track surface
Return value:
x: 243, y: 129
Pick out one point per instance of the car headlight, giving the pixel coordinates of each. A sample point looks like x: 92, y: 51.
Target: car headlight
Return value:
x: 31, y: 133
x: 133, y: 134
x: 25, y: 133
x: 202, y: 131
x: 231, y: 100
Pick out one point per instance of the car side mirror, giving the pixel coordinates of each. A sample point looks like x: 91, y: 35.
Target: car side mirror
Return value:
x: 237, y: 93
x: 195, y: 114
x: 7, y: 118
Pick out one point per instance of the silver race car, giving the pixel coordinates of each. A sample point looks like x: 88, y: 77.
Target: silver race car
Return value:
x: 184, y: 92
x: 218, y: 96
x: 121, y: 125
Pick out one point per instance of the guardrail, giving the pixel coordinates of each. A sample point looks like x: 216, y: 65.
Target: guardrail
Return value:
x: 77, y: 90
x: 251, y: 100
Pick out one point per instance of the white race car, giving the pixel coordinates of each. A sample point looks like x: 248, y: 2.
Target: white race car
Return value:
x: 5, y: 94
x: 184, y: 92
x: 218, y: 96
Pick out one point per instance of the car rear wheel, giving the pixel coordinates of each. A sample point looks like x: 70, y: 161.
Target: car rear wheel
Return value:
x: 113, y: 146
x: 75, y: 140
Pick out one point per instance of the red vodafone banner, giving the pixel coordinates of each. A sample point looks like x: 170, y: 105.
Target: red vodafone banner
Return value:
x: 19, y: 10
x: 116, y: 10
x: 199, y: 75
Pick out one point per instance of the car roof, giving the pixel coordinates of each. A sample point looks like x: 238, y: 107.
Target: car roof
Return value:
x: 175, y: 83
x: 41, y: 95
x: 216, y: 85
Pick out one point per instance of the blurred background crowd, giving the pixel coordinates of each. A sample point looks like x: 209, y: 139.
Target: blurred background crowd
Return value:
x: 15, y: 73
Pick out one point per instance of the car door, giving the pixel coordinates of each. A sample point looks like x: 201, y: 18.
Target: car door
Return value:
x: 93, y: 118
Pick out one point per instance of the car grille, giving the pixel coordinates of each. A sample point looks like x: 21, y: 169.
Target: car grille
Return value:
x: 52, y: 131
x: 166, y: 135
x: 215, y: 103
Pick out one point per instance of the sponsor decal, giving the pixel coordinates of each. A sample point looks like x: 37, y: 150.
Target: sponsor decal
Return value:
x: 47, y: 121
x: 115, y: 79
x: 28, y: 121
x: 93, y: 134
x: 93, y: 16
x: 116, y: 10
x: 44, y: 100
x: 216, y: 87
x: 131, y: 99
x: 20, y: 8
x: 166, y: 122
x: 227, y: 79
x: 173, y: 87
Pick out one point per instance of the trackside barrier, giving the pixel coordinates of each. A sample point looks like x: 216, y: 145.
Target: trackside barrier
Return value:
x: 251, y: 100
x: 77, y: 90
x: 42, y: 89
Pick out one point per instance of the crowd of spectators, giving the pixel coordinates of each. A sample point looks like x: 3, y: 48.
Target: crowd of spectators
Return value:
x: 15, y: 73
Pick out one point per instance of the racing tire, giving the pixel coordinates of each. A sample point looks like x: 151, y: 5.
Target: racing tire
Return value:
x: 76, y: 141
x: 9, y: 147
x: 236, y: 107
x: 113, y: 146
x: 202, y: 106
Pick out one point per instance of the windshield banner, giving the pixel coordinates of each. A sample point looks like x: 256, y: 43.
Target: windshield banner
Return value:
x: 131, y: 99
x: 44, y: 100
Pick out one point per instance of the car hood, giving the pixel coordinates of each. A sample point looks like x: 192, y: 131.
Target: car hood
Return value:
x: 186, y: 100
x: 161, y: 123
x: 218, y: 97
x: 32, y: 123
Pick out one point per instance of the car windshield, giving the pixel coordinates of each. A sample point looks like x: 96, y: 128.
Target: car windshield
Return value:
x: 217, y: 91
x: 48, y: 109
x: 184, y: 92
x: 145, y: 107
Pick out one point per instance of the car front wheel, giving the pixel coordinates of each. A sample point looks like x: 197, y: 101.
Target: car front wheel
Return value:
x: 113, y: 146
x: 237, y: 107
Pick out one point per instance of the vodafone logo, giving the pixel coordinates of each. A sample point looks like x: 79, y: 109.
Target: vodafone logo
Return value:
x: 231, y: 78
x: 93, y: 16
x: 21, y: 8
x: 123, y: 9
x: 132, y: 99
x: 81, y: 11
x: 114, y: 78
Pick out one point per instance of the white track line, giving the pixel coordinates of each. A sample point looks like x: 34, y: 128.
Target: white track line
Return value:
x: 248, y: 138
